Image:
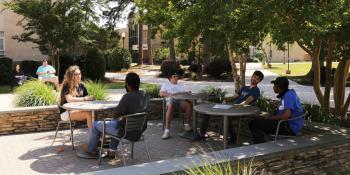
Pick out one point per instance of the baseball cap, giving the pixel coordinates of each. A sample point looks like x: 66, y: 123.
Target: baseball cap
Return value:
x: 281, y: 82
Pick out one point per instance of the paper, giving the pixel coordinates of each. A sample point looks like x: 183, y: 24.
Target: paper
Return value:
x: 217, y: 106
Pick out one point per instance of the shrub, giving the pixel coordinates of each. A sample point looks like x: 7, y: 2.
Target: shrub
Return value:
x: 184, y: 62
x: 65, y: 62
x: 224, y: 168
x: 6, y: 70
x: 35, y: 93
x: 118, y: 58
x: 316, y: 114
x: 266, y: 104
x: 29, y: 67
x: 151, y: 89
x: 95, y: 65
x: 217, y: 67
x: 161, y: 54
x: 81, y: 62
x: 168, y: 67
x: 96, y: 89
x: 218, y: 93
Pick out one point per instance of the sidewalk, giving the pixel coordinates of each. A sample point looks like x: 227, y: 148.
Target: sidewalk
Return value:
x: 305, y: 93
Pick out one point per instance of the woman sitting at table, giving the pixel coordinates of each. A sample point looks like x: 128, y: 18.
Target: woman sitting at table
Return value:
x: 74, y: 91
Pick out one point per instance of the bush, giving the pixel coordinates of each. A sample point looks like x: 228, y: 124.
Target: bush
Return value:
x: 218, y: 93
x: 169, y: 67
x: 81, y: 62
x: 217, y: 67
x: 151, y: 89
x: 96, y: 89
x: 35, y: 93
x: 184, y: 62
x: 6, y: 70
x: 29, y: 67
x: 161, y: 54
x: 95, y: 65
x: 316, y: 114
x: 65, y: 62
x: 266, y: 104
x: 117, y: 59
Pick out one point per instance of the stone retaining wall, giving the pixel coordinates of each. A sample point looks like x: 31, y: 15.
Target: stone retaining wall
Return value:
x: 45, y: 118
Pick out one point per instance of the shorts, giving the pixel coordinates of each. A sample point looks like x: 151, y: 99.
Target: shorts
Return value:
x: 172, y: 101
x: 65, y: 116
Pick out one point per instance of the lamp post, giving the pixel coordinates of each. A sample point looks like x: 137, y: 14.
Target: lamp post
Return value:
x: 288, y: 71
x: 123, y: 37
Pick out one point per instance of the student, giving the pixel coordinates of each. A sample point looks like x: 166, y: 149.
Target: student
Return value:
x: 18, y: 77
x: 74, y: 91
x: 248, y: 95
x: 167, y: 90
x: 46, y: 73
x: 290, y: 107
x: 134, y: 101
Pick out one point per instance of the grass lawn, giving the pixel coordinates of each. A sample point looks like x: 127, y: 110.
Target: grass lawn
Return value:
x: 5, y: 89
x: 297, y: 68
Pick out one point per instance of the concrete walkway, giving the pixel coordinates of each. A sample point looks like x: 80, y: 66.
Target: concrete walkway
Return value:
x: 305, y: 93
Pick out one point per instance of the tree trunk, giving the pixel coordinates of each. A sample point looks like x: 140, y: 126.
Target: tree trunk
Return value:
x: 140, y: 44
x: 328, y: 72
x: 149, y: 45
x: 266, y: 59
x: 206, y: 51
x: 235, y: 76
x: 242, y: 61
x: 316, y: 73
x: 340, y: 78
x: 172, y: 49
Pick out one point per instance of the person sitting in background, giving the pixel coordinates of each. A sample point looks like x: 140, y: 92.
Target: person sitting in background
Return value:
x: 169, y: 89
x: 74, y: 91
x: 18, y: 77
x: 46, y: 73
x: 248, y: 95
x: 290, y: 107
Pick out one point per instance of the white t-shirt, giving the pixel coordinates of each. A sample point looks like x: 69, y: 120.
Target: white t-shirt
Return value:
x: 172, y: 88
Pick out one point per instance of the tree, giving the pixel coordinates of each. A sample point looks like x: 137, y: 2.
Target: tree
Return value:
x: 310, y: 24
x: 55, y: 26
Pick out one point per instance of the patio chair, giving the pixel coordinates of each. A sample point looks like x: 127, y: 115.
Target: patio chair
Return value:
x: 134, y: 126
x: 276, y: 135
x: 71, y: 127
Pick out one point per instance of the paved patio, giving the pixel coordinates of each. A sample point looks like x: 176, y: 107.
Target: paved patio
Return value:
x: 32, y: 153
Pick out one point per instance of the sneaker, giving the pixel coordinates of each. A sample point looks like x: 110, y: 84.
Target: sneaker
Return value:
x: 187, y: 127
x: 166, y: 134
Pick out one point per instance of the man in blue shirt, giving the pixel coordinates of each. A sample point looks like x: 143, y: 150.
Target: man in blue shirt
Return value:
x: 46, y: 72
x: 289, y: 107
x: 248, y: 95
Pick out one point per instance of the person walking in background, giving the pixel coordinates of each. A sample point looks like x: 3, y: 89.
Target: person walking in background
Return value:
x: 46, y: 73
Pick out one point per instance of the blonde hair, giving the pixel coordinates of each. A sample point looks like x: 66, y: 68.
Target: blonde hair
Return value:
x: 69, y: 80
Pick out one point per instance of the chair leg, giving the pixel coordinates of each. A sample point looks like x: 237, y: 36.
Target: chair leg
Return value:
x: 123, y: 156
x: 101, y: 148
x: 71, y: 134
x: 58, y: 126
x: 238, y: 129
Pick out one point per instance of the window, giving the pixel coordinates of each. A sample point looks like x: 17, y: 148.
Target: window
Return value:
x: 2, y: 44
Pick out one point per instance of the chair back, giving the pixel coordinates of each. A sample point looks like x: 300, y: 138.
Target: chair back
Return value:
x: 133, y: 126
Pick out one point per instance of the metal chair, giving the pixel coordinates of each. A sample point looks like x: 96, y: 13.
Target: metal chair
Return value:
x: 71, y: 127
x: 134, y: 126
x: 276, y: 135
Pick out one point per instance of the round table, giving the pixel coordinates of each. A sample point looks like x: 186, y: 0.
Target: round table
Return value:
x: 91, y: 106
x: 226, y: 110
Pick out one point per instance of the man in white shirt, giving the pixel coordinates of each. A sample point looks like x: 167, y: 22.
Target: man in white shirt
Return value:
x: 167, y: 90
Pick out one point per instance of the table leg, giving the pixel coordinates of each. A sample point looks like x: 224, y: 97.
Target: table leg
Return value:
x: 194, y: 124
x: 238, y: 129
x: 225, y: 131
x: 93, y: 116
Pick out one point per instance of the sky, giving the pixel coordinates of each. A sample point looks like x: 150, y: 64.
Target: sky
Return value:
x: 122, y: 23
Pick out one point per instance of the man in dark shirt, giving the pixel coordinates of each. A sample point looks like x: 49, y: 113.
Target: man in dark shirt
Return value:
x: 248, y: 95
x: 134, y: 101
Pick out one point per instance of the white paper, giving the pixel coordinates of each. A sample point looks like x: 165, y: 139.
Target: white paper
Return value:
x: 217, y: 106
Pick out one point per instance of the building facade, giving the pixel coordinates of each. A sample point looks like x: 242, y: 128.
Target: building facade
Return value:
x: 11, y: 48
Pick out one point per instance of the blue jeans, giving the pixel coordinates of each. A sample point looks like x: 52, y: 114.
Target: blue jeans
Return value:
x: 112, y: 128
